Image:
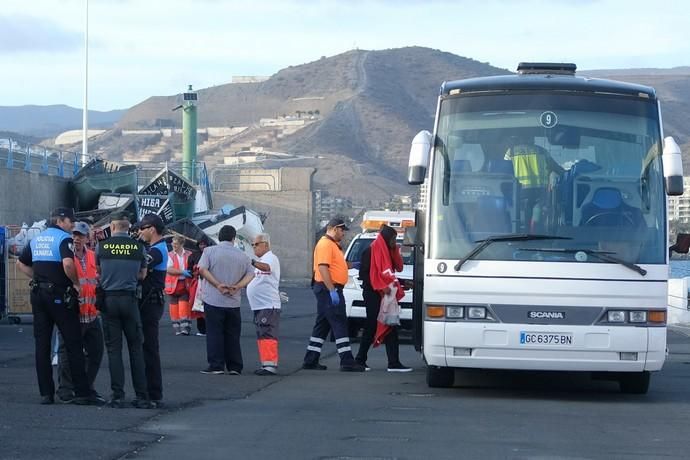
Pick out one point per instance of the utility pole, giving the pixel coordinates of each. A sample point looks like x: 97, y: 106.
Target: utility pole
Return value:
x: 85, y: 114
x: 189, y: 127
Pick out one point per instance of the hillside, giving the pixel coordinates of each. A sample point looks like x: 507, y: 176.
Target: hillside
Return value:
x: 363, y: 107
x: 673, y: 88
x: 44, y: 121
x: 370, y: 105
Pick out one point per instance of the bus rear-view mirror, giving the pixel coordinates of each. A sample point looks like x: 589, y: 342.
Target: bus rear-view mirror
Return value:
x: 682, y: 243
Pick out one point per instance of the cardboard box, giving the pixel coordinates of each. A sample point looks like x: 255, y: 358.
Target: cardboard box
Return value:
x: 18, y: 290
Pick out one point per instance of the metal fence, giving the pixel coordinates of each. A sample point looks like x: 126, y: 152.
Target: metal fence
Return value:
x: 15, y: 283
x: 29, y: 157
x: 38, y: 158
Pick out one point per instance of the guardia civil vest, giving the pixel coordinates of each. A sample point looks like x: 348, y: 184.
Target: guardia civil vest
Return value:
x: 171, y: 280
x: 121, y: 259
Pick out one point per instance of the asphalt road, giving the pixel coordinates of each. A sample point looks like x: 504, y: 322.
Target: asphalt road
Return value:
x: 331, y: 415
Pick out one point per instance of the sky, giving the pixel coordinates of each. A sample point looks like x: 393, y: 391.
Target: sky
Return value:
x: 143, y: 48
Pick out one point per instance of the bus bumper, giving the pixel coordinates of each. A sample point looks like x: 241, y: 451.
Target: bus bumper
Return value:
x: 499, y: 346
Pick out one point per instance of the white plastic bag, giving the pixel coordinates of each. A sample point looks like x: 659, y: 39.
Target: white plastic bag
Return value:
x: 389, y: 313
x: 198, y: 304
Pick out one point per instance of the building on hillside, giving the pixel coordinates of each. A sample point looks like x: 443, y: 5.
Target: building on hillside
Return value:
x: 421, y: 203
x: 327, y: 206
x: 400, y: 203
x: 679, y: 206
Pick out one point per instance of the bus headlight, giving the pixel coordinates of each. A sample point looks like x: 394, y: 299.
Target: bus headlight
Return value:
x: 615, y: 316
x: 638, y: 316
x: 476, y: 312
x: 453, y: 311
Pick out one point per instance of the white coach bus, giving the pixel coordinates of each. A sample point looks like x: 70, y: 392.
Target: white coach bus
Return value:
x: 544, y: 241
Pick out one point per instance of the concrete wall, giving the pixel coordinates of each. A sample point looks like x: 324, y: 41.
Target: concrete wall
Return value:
x: 221, y: 131
x: 29, y: 197
x: 290, y: 217
x: 248, y: 180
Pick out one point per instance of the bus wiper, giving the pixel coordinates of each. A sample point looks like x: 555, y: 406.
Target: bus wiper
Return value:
x: 483, y: 244
x: 603, y: 255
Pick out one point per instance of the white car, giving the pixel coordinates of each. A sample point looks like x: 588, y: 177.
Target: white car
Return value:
x: 354, y: 304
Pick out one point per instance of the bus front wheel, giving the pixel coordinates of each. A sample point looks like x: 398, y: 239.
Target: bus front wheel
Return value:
x: 634, y: 382
x: 440, y: 377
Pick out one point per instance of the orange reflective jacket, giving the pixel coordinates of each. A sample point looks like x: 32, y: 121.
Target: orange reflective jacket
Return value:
x: 171, y: 280
x: 88, y: 279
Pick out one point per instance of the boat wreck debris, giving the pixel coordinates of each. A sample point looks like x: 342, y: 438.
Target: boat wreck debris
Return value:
x: 103, y: 187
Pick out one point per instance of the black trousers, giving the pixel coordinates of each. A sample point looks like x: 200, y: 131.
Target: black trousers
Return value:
x: 49, y: 310
x: 372, y: 302
x: 201, y: 325
x: 92, y: 337
x: 223, y: 329
x: 151, y: 313
x: 121, y: 314
x: 329, y: 317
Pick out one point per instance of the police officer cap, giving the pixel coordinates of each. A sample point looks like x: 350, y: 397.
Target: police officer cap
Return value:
x: 152, y: 220
x: 337, y: 222
x: 120, y: 215
x: 63, y: 212
x: 81, y: 227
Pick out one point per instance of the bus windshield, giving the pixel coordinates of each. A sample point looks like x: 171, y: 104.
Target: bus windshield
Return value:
x: 584, y: 168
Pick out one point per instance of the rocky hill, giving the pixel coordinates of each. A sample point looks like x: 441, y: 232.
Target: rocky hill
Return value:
x: 358, y: 112
x: 368, y: 106
x: 673, y: 88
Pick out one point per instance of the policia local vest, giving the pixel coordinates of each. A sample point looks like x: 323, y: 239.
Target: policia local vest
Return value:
x: 45, y: 256
x: 120, y: 258
x: 155, y: 280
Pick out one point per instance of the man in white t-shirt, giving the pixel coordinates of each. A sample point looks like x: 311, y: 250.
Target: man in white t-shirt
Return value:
x: 264, y: 299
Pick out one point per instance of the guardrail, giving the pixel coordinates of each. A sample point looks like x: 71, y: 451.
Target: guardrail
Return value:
x: 38, y: 158
x: 54, y: 162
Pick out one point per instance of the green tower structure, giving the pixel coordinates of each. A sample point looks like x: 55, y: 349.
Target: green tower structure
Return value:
x: 189, y: 135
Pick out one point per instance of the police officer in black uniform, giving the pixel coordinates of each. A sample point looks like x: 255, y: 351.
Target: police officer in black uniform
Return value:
x: 121, y: 262
x: 151, y: 305
x: 49, y: 261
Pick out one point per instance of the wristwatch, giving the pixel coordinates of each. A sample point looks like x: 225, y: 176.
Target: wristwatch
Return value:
x: 253, y: 262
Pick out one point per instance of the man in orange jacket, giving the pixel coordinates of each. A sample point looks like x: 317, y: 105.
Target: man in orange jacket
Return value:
x: 176, y: 287
x: 91, y: 327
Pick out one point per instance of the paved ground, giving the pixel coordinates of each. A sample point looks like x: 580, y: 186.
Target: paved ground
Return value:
x: 323, y: 415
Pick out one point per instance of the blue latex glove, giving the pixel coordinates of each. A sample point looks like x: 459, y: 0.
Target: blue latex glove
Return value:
x: 335, y: 298
x: 187, y: 274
